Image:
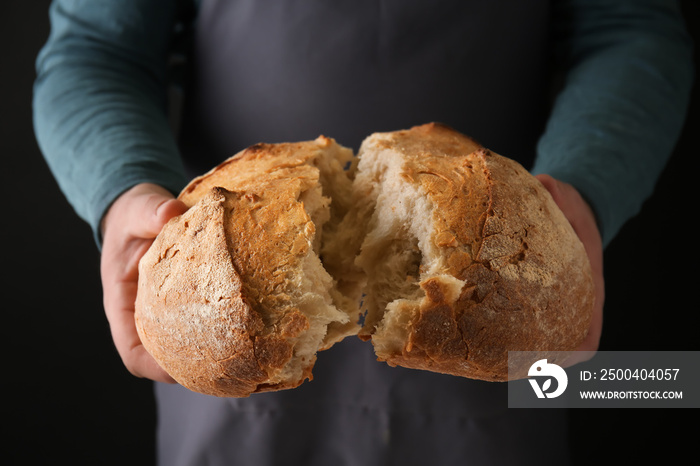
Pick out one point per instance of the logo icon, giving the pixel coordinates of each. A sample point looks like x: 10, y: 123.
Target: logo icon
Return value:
x: 542, y: 369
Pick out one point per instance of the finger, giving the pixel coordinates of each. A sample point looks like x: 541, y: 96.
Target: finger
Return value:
x: 147, y: 213
x: 583, y: 221
x: 119, y: 310
x: 552, y: 186
x: 580, y: 216
x: 133, y: 223
x: 119, y: 306
x: 563, y: 197
x: 132, y: 352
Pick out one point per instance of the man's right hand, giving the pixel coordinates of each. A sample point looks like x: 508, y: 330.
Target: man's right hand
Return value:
x: 128, y: 230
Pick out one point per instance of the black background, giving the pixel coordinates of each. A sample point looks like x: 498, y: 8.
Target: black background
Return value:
x: 70, y: 398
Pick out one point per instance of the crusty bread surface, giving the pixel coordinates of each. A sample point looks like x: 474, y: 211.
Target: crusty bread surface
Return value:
x: 233, y: 298
x: 467, y: 257
x: 442, y: 253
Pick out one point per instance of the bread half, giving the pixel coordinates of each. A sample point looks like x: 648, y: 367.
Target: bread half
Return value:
x: 233, y: 298
x: 466, y: 256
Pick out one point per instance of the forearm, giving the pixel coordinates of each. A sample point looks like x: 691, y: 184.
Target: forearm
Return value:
x: 99, y: 102
x: 615, y: 122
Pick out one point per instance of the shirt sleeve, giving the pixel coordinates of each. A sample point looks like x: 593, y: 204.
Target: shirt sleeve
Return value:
x: 99, y: 105
x: 626, y: 83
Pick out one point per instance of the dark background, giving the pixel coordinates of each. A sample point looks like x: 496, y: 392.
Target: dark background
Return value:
x: 70, y: 398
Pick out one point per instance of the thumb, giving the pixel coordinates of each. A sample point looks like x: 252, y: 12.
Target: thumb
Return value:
x: 150, y: 208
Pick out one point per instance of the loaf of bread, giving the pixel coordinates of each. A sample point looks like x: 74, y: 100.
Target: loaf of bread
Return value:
x: 441, y: 253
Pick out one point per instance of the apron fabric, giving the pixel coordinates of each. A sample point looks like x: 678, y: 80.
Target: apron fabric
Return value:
x: 290, y: 70
x: 360, y: 412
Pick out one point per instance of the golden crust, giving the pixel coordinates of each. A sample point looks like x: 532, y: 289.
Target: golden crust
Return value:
x: 216, y: 305
x: 527, y: 280
x: 260, y: 163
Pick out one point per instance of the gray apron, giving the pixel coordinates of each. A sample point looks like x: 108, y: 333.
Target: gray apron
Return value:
x: 288, y: 70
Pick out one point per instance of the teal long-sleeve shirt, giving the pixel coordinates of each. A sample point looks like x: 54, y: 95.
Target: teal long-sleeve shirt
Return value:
x: 101, y: 117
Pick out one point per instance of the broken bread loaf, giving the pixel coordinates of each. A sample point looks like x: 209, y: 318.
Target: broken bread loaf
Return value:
x: 443, y: 254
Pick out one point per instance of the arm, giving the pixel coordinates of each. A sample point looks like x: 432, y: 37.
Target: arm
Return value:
x: 627, y: 68
x: 627, y: 77
x: 100, y: 110
x: 101, y: 121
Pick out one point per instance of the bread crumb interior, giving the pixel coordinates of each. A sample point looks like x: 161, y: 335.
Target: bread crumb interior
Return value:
x: 332, y: 313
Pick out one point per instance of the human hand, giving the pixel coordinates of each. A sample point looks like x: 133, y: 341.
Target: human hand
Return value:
x: 582, y: 219
x: 129, y: 227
